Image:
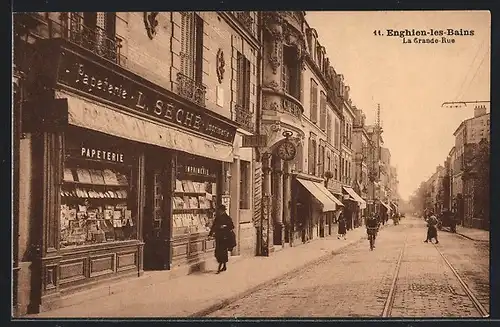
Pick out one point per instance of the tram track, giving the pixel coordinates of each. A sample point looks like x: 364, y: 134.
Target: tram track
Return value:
x: 389, y: 303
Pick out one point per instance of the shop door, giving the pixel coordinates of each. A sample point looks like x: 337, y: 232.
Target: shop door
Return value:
x: 156, y: 221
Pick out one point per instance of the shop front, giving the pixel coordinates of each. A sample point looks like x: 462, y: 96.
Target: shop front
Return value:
x: 125, y: 178
x: 353, y: 204
x: 385, y: 211
x: 313, y: 203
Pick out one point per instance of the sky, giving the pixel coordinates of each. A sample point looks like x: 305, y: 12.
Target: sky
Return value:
x: 410, y: 81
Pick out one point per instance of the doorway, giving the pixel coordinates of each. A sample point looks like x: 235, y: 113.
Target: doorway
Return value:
x: 157, y: 216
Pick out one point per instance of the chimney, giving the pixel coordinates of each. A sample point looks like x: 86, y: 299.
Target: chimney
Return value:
x: 479, y: 111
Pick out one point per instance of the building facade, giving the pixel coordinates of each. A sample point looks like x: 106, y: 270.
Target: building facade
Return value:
x: 144, y: 141
x: 468, y: 136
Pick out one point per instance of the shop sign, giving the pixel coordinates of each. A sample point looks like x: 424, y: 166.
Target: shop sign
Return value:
x: 100, y: 81
x: 97, y: 153
x: 254, y: 141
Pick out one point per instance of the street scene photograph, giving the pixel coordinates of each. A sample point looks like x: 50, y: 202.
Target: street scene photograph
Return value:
x: 251, y: 164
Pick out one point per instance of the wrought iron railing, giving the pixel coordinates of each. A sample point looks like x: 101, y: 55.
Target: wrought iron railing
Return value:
x: 291, y: 106
x: 95, y: 38
x: 245, y: 18
x: 243, y: 117
x: 190, y: 89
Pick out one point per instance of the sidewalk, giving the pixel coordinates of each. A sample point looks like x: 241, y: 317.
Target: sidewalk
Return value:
x: 474, y: 234
x: 201, y: 293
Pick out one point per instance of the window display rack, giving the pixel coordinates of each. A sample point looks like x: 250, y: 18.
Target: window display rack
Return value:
x: 96, y: 203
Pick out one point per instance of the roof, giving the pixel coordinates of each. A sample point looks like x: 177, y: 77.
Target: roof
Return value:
x: 465, y: 121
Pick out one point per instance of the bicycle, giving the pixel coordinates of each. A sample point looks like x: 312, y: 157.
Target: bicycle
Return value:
x: 372, y: 231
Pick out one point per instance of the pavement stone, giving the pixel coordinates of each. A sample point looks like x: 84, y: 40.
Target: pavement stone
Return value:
x: 356, y: 282
x: 196, y: 293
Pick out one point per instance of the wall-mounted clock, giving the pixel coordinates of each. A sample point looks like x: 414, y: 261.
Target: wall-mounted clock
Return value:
x: 287, y: 151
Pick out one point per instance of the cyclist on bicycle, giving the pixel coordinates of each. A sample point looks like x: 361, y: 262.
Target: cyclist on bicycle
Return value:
x: 372, y: 225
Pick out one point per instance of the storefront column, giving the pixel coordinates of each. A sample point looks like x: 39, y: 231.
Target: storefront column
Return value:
x: 265, y: 234
x: 279, y: 227
x: 287, y: 201
x: 234, y: 210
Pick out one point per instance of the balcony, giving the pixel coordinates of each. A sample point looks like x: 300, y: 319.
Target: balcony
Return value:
x: 245, y: 18
x: 292, y: 106
x: 190, y: 89
x: 94, y: 39
x: 243, y: 117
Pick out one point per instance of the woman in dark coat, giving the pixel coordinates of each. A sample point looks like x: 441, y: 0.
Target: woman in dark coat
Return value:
x: 222, y: 229
x: 342, y: 226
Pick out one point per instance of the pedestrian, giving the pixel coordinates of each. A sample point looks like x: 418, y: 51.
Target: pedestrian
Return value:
x: 431, y: 229
x: 342, y: 227
x: 222, y: 229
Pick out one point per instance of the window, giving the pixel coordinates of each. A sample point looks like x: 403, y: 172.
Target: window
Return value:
x: 314, y: 101
x: 337, y: 133
x: 336, y: 168
x: 95, y: 31
x: 245, y: 185
x: 322, y: 111
x: 321, y: 161
x: 329, y: 128
x: 243, y: 82
x: 192, y: 46
x: 313, y: 159
x: 290, y: 72
x: 328, y: 161
x: 98, y: 193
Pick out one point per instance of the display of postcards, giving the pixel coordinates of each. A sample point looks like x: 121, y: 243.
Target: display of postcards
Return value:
x: 193, y: 202
x: 209, y: 188
x: 128, y: 214
x: 108, y: 214
x: 187, y: 204
x: 81, y: 215
x: 96, y: 176
x: 99, y: 236
x: 190, y: 186
x: 72, y: 214
x: 185, y: 187
x: 178, y: 203
x: 83, y: 175
x: 110, y: 177
x: 68, y: 175
x: 117, y: 214
x: 117, y: 223
x: 92, y: 214
x: 122, y: 179
x: 178, y: 186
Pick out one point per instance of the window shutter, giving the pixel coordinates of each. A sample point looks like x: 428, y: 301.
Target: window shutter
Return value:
x: 187, y: 44
x: 329, y: 128
x: 247, y: 83
x: 310, y: 156
x: 239, y: 79
x: 197, y: 51
x: 322, y: 108
x: 314, y: 101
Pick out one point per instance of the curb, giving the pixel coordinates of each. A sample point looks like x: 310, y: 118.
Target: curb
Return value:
x: 472, y: 239
x: 229, y: 300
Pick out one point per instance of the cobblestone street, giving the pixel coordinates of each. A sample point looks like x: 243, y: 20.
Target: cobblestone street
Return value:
x: 357, y: 282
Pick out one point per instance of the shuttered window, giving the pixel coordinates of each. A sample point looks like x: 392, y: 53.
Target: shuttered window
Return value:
x: 322, y: 111
x: 191, y: 46
x: 243, y: 81
x: 337, y: 133
x: 329, y: 128
x: 314, y: 101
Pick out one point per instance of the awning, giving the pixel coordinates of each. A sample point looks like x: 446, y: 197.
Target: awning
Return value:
x: 386, y: 205
x: 101, y: 118
x: 332, y: 197
x: 326, y: 202
x: 356, y: 197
